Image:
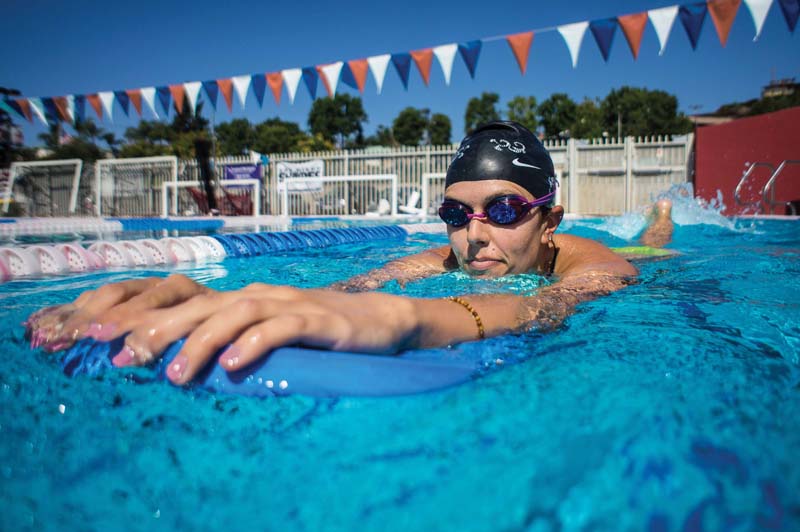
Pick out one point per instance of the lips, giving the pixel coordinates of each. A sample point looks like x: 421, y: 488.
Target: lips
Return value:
x: 482, y: 263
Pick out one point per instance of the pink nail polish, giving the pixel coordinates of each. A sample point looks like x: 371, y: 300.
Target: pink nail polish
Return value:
x: 229, y: 359
x: 124, y: 357
x: 104, y: 333
x: 176, y: 368
x: 93, y: 330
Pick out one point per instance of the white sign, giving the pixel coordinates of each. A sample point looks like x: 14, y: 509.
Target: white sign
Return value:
x: 289, y: 171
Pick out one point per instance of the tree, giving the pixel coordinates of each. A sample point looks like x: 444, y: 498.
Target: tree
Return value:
x: 338, y: 119
x: 235, y: 137
x: 639, y: 112
x: 439, y: 129
x: 410, y: 126
x: 188, y: 120
x: 481, y: 110
x: 557, y: 114
x: 276, y: 136
x: 522, y: 109
x: 382, y: 137
x: 588, y: 122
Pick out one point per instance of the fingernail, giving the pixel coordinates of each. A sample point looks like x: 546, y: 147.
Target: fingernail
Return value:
x: 93, y: 330
x: 57, y: 346
x: 124, y: 357
x: 176, y: 368
x: 104, y: 333
x: 38, y: 339
x: 230, y: 357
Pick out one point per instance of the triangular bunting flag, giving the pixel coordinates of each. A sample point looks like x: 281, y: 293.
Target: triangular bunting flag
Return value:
x: 50, y: 110
x: 226, y: 88
x: 24, y: 107
x: 423, y: 59
x: 178, y: 94
x: 469, y: 53
x: 107, y: 99
x: 573, y: 36
x: 402, y: 63
x: 330, y: 76
x: 692, y: 17
x: 192, y: 89
x: 603, y: 31
x: 633, y: 29
x: 378, y: 64
x: 94, y: 102
x: 310, y: 79
x: 5, y: 105
x: 38, y: 109
x: 212, y: 91
x: 164, y: 98
x: 662, y: 20
x: 61, y: 108
x: 758, y: 10
x: 445, y: 54
x: 80, y: 107
x: 275, y: 82
x: 70, y: 107
x: 15, y: 106
x: 241, y: 84
x: 357, y: 68
x: 135, y: 96
x: 259, y: 84
x: 124, y: 101
x: 291, y: 77
x: 149, y: 97
x: 520, y: 44
x: 791, y: 10
x: 723, y: 13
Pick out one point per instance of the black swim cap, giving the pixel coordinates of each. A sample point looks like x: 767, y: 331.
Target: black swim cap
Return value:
x: 507, y: 151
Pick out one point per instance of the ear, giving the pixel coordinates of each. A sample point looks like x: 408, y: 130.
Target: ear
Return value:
x: 551, y: 223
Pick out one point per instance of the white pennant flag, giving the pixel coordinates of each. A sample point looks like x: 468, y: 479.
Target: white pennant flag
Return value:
x: 149, y: 97
x: 291, y: 77
x: 38, y: 108
x: 445, y: 54
x: 241, y: 84
x: 378, y: 64
x: 758, y: 10
x: 107, y: 98
x: 662, y: 20
x: 71, y: 108
x: 192, y: 89
x: 331, y: 73
x: 573, y: 36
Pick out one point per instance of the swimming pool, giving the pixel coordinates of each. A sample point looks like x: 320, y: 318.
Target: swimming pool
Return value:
x: 673, y: 404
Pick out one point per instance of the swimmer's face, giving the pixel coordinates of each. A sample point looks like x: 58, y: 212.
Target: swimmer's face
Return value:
x: 484, y: 248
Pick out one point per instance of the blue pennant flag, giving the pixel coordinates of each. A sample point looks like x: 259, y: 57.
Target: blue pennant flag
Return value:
x: 80, y: 107
x: 347, y: 76
x: 212, y: 90
x: 14, y: 107
x: 791, y: 10
x: 259, y: 84
x: 124, y: 100
x: 402, y: 63
x: 603, y: 31
x: 5, y: 104
x: 50, y: 110
x: 310, y: 77
x: 469, y: 53
x: 164, y: 97
x: 692, y: 18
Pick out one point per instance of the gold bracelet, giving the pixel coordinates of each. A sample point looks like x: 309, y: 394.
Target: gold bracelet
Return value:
x: 471, y: 309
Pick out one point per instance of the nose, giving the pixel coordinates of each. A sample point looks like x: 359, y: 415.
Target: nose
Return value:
x: 477, y: 230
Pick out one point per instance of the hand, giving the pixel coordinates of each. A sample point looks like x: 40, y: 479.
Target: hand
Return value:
x: 260, y: 318
x: 107, y: 312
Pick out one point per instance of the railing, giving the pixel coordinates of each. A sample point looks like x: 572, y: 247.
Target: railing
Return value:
x: 765, y: 202
x: 737, y: 193
x: 769, y: 188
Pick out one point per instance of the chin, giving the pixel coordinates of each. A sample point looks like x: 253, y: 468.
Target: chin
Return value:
x: 496, y: 271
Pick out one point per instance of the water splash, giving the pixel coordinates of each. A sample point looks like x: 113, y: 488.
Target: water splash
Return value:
x: 689, y: 210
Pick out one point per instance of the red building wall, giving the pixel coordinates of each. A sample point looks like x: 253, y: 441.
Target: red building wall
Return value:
x: 724, y: 152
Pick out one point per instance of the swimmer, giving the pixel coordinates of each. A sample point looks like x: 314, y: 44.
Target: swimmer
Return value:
x: 501, y: 220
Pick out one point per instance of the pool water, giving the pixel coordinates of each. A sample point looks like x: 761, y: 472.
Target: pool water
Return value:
x: 671, y: 405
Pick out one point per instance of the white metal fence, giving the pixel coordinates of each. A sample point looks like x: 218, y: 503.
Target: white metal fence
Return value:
x: 602, y: 176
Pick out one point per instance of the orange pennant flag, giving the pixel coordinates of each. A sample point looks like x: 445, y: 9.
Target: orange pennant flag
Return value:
x: 61, y: 107
x: 25, y: 107
x: 359, y: 69
x: 723, y: 12
x: 520, y: 44
x: 177, y: 92
x: 136, y: 99
x: 94, y: 101
x: 275, y: 82
x: 424, y: 59
x: 226, y: 88
x: 633, y: 27
x: 324, y: 79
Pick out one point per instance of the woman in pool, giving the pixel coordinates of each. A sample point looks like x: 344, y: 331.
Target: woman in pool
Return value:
x: 500, y: 218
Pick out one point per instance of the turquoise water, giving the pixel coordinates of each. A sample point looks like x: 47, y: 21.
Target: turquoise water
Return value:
x: 671, y: 405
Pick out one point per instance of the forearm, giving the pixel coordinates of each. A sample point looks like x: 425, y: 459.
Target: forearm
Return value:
x: 407, y: 269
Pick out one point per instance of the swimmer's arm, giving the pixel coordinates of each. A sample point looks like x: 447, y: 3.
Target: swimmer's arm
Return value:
x: 659, y: 232
x: 411, y: 268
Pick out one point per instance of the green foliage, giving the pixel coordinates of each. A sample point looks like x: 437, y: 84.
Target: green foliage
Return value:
x: 276, y: 136
x: 144, y: 149
x: 557, y: 114
x: 183, y: 145
x: 481, y: 110
x: 235, y: 137
x: 439, y: 129
x: 382, y: 137
x: 338, y: 119
x: 588, y: 120
x: 187, y: 121
x: 760, y: 106
x: 150, y: 131
x: 410, y: 126
x: 76, y: 148
x: 642, y: 112
x: 523, y: 109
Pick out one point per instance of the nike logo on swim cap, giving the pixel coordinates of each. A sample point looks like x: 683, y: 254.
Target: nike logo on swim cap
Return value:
x: 516, y: 162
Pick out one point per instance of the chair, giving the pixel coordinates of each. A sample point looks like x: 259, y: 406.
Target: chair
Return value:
x: 411, y: 205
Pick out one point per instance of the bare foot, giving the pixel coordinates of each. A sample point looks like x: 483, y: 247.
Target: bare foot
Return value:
x: 663, y: 208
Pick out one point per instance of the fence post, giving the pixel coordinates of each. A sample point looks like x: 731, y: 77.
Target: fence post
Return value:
x: 629, y: 148
x: 572, y: 165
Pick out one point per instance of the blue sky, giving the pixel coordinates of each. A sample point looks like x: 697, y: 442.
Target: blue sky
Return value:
x: 57, y: 48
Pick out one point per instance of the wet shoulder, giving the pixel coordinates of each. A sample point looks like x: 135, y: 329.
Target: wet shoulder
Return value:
x: 577, y: 255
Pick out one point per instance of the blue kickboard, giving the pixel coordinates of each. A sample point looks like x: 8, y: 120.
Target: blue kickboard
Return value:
x: 312, y: 372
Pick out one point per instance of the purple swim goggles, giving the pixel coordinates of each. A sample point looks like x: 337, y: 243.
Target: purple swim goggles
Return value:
x: 503, y: 210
